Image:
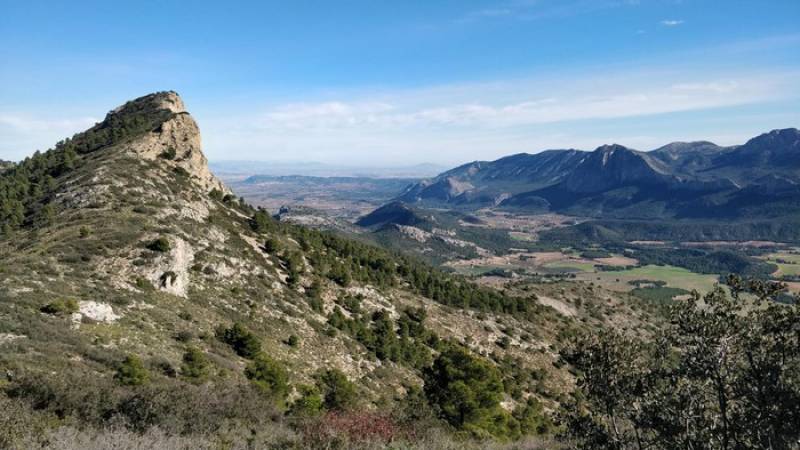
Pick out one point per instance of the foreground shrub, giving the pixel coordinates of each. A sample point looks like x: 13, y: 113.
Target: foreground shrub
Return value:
x: 132, y: 372
x: 270, y: 377
x: 338, y: 392
x: 725, y: 374
x: 348, y: 429
x: 61, y: 307
x: 242, y: 341
x: 195, y: 365
x: 467, y: 390
x: 160, y: 245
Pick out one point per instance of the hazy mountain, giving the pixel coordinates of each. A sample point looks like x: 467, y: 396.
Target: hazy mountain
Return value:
x: 681, y: 179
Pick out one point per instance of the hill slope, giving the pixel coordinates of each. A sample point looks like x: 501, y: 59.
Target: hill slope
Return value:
x: 127, y: 264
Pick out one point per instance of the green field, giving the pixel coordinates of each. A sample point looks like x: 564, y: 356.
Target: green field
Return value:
x: 788, y: 269
x: 673, y: 277
x: 570, y: 266
x: 790, y: 266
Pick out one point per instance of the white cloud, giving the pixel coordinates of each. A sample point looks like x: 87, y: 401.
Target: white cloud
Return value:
x: 26, y: 123
x: 521, y: 103
x: 457, y: 123
x: 671, y: 22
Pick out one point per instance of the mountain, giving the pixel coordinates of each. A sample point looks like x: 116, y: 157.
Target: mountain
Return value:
x: 137, y: 291
x: 395, y: 213
x: 678, y: 180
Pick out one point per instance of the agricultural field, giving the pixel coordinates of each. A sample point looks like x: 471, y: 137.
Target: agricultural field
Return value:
x: 676, y: 277
x: 788, y: 262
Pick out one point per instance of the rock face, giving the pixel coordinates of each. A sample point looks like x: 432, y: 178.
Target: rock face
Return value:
x: 176, y: 142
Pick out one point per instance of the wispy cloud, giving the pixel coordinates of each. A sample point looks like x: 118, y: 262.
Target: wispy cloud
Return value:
x: 21, y: 133
x: 476, y: 121
x: 24, y: 123
x: 672, y: 22
x: 530, y: 104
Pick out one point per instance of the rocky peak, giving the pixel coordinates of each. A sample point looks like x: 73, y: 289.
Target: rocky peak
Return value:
x: 175, y: 142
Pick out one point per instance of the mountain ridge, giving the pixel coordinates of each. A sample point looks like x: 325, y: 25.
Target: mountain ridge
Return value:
x: 675, y: 180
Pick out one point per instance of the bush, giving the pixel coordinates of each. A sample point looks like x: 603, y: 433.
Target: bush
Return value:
x: 293, y: 341
x: 338, y: 392
x: 467, y: 392
x: 269, y: 376
x: 60, y: 307
x: 131, y: 372
x: 309, y: 403
x: 160, y: 245
x: 241, y: 340
x: 272, y: 246
x: 195, y: 365
x: 169, y: 153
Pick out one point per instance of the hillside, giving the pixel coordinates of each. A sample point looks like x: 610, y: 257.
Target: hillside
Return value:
x: 680, y: 180
x: 136, y: 291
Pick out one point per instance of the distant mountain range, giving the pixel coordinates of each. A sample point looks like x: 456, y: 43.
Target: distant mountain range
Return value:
x: 760, y: 178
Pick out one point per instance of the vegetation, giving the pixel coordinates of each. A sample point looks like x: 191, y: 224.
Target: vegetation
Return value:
x: 725, y: 375
x: 467, y: 392
x: 160, y: 245
x: 269, y: 376
x: 132, y: 372
x: 61, y: 307
x: 242, y: 341
x: 338, y: 393
x: 196, y: 366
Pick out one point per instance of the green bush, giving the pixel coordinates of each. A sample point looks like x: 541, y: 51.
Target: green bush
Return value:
x: 195, y: 365
x: 160, y: 245
x: 269, y: 376
x: 169, y: 153
x: 310, y: 402
x: 59, y: 307
x: 338, y: 392
x: 467, y: 392
x: 132, y: 372
x: 241, y: 340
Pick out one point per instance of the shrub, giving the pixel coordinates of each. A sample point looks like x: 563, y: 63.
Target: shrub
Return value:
x: 352, y: 429
x: 338, y: 392
x: 269, y: 376
x: 131, y: 372
x: 169, y: 153
x: 160, y: 245
x: 293, y: 341
x: 168, y: 278
x: 309, y: 403
x: 467, y: 391
x: 59, y: 307
x: 261, y: 222
x: 272, y: 246
x: 195, y: 364
x: 241, y: 340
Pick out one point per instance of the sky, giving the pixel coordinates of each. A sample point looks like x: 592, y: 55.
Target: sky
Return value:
x: 390, y: 83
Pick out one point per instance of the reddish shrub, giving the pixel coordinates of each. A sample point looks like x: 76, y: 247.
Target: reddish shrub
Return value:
x: 358, y: 426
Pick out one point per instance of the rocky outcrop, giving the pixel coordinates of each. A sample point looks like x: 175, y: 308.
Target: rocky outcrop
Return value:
x: 176, y: 142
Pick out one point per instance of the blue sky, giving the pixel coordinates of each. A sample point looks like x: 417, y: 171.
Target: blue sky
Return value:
x: 404, y: 82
